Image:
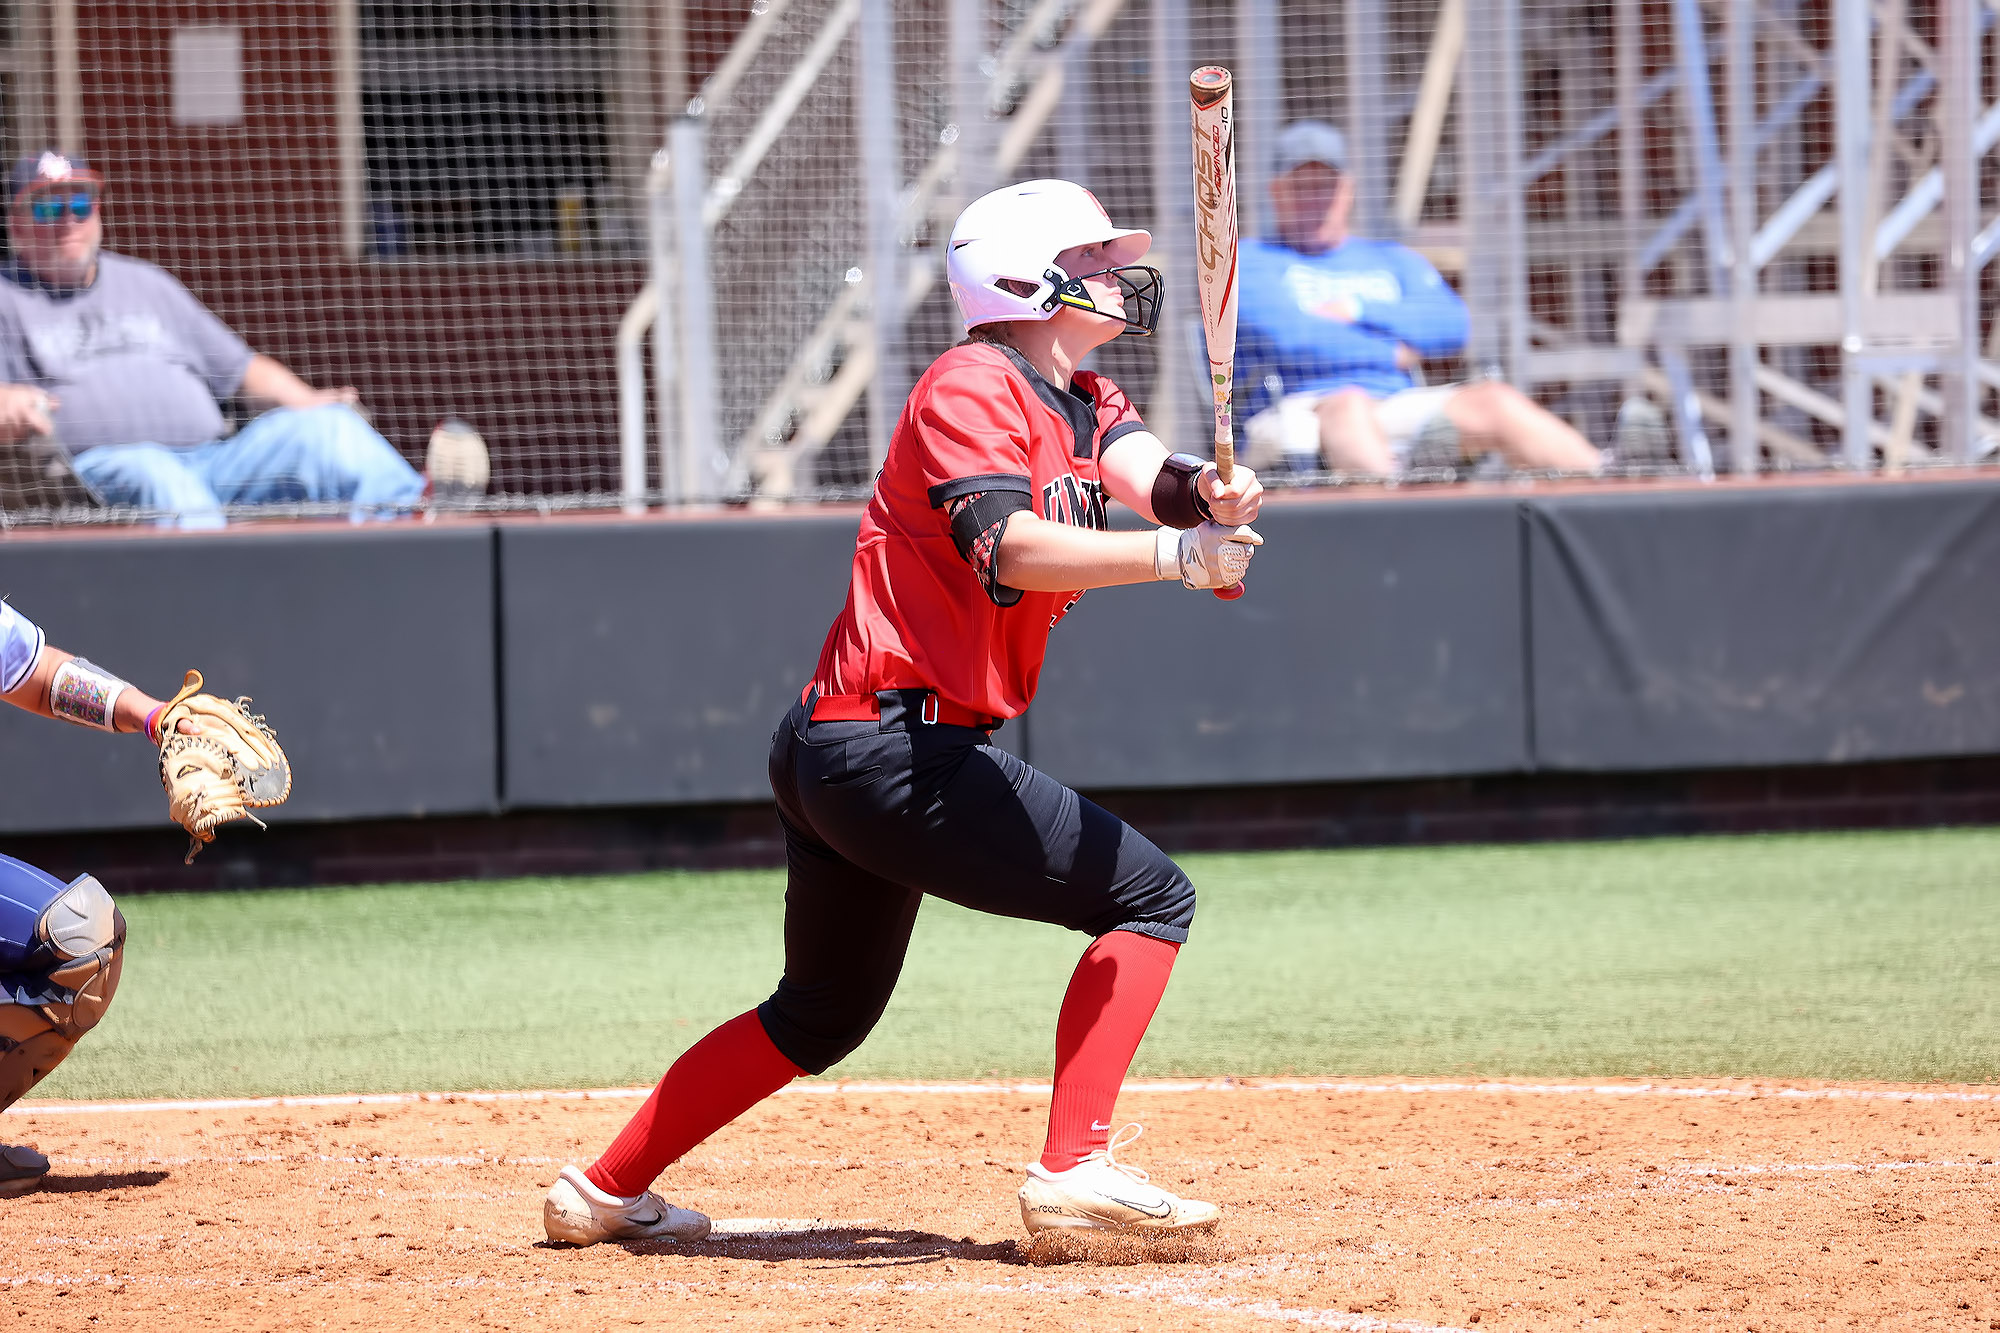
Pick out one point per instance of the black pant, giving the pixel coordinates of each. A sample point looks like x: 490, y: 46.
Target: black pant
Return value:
x: 877, y: 814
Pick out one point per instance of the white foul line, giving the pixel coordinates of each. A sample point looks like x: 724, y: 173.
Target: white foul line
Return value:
x: 1033, y: 1089
x: 1183, y: 1292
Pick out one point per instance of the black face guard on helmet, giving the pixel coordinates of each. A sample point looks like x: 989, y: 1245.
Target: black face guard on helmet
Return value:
x: 1139, y: 285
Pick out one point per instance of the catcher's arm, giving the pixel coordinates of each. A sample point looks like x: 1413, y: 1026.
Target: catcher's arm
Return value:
x: 70, y: 689
x: 218, y: 761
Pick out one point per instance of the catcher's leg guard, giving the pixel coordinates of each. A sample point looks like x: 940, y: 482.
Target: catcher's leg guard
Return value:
x: 61, y: 949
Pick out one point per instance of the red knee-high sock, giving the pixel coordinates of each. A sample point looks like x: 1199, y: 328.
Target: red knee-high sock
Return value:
x: 717, y: 1079
x: 1111, y: 998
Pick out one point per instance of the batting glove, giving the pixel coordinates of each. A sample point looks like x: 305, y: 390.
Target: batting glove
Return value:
x: 1208, y: 556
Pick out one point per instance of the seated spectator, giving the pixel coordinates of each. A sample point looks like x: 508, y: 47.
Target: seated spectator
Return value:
x: 119, y: 363
x: 1340, y: 323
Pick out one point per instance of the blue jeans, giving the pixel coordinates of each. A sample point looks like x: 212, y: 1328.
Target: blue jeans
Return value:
x: 290, y: 455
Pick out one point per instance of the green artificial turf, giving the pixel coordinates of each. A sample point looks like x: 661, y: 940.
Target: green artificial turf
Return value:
x: 1859, y: 956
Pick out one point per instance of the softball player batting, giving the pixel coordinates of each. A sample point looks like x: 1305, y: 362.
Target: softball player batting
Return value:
x: 986, y: 525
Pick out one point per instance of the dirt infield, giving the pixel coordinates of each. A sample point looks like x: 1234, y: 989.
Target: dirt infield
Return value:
x: 1346, y: 1207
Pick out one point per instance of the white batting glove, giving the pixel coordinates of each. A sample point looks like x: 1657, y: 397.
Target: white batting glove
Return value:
x: 1209, y: 556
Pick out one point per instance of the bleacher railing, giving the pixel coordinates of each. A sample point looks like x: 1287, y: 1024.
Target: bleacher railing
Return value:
x: 689, y: 253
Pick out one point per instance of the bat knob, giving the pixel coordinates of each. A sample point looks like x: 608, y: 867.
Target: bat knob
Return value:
x: 1230, y: 593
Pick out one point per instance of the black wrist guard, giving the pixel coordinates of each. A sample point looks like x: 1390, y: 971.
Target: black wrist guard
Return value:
x: 1177, y: 498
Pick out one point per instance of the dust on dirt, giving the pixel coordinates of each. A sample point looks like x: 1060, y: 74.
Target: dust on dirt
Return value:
x: 1384, y: 1209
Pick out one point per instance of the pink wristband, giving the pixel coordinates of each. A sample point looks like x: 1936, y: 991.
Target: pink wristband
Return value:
x: 151, y: 718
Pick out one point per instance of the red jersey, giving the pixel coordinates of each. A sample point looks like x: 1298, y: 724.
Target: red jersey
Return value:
x: 983, y: 423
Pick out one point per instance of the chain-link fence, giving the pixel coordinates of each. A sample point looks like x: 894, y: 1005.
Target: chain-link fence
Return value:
x: 687, y: 251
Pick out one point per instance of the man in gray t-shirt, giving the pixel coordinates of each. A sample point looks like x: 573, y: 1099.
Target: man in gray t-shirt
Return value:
x: 116, y: 360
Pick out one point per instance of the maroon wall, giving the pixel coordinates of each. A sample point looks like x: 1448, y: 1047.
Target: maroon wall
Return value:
x: 248, y: 216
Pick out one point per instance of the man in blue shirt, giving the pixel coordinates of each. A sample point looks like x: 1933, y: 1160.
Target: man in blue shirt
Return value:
x: 1332, y: 326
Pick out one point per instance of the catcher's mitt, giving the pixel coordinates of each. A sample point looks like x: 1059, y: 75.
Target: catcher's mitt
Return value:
x: 231, y: 766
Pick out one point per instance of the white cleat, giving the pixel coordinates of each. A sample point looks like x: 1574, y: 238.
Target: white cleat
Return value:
x: 1103, y: 1193
x: 578, y: 1213
x: 457, y: 463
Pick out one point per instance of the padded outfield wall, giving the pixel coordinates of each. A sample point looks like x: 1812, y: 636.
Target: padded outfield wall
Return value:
x: 477, y: 668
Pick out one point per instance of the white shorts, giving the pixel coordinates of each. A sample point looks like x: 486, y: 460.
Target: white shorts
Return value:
x: 1288, y: 431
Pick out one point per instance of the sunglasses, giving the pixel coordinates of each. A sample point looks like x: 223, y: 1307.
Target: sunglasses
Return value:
x: 51, y: 207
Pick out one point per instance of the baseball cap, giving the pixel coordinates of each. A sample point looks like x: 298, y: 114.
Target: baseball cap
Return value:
x: 1306, y: 141
x: 48, y: 167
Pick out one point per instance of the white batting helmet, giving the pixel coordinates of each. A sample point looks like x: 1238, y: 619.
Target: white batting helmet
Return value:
x: 1013, y: 235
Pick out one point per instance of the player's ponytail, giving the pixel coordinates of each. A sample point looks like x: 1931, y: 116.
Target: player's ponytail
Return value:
x: 1000, y: 333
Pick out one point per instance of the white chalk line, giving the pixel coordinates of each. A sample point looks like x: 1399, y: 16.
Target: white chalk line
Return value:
x: 786, y: 1227
x: 1311, y: 1318
x: 1789, y: 1168
x: 316, y: 1158
x: 1181, y: 1291
x: 329, y: 1100
x: 1699, y: 1180
x: 432, y: 1162
x: 1173, y: 1290
x: 469, y: 1159
x: 1153, y: 1087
